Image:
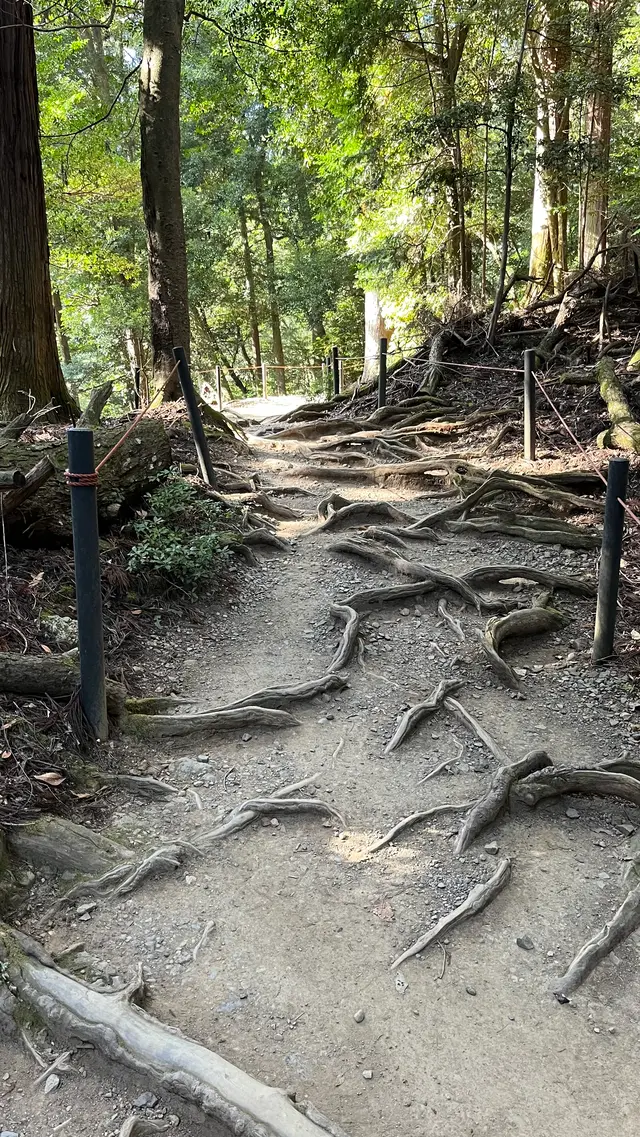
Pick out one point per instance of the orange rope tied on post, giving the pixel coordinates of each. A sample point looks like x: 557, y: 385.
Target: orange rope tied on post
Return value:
x: 92, y: 479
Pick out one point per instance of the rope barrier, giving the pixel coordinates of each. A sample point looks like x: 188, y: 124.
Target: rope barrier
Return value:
x: 627, y: 508
x: 92, y: 479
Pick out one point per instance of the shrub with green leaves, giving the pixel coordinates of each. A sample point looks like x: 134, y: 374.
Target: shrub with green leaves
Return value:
x: 184, y: 538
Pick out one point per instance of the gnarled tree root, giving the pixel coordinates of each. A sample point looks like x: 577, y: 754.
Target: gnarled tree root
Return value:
x: 500, y: 574
x: 350, y: 637
x: 490, y: 804
x: 358, y: 512
x: 462, y: 714
x: 450, y: 621
x: 414, y: 818
x: 625, y: 921
x: 414, y: 715
x: 571, y: 537
x: 179, y: 726
x: 122, y: 1031
x: 279, y: 696
x: 569, y: 780
x: 475, y: 902
x: 521, y: 622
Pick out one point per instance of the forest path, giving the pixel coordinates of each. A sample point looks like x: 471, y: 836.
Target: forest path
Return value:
x: 306, y: 925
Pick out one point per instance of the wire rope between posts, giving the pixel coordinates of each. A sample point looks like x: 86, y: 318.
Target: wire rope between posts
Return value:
x: 92, y: 479
x: 627, y: 508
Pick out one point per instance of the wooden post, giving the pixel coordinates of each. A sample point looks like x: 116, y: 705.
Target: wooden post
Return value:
x: 382, y: 373
x: 609, y: 574
x: 202, y: 449
x: 263, y: 368
x: 219, y: 385
x: 83, y: 482
x: 335, y: 358
x: 529, y: 405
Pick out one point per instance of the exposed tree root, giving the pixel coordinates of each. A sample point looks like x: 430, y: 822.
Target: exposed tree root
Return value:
x: 369, y: 597
x: 359, y: 512
x: 496, y: 797
x: 60, y: 844
x: 279, y: 696
x: 500, y: 574
x: 413, y: 819
x: 121, y: 1031
x: 455, y: 625
x: 414, y: 715
x: 625, y: 921
x: 265, y: 537
x: 179, y: 726
x: 141, y: 786
x: 386, y: 536
x: 521, y: 622
x: 462, y: 715
x: 475, y: 902
x: 403, y: 567
x: 624, y: 432
x: 350, y: 636
x: 505, y: 483
x: 575, y: 537
x: 265, y: 504
x: 628, y: 766
x: 331, y: 504
x: 569, y: 780
x: 400, y: 536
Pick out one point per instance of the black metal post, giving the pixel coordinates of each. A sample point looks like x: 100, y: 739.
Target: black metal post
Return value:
x: 529, y: 405
x: 382, y: 373
x: 609, y: 575
x: 86, y: 555
x: 335, y: 359
x: 202, y: 449
x: 136, y: 389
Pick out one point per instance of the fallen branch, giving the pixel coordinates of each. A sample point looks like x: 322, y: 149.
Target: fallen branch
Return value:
x: 475, y: 902
x: 496, y: 797
x: 521, y: 622
x: 13, y: 498
x: 625, y: 921
x: 414, y: 818
x: 428, y: 706
x: 123, y: 1032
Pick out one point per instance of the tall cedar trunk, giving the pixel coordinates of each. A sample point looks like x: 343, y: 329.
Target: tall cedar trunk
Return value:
x: 62, y: 335
x: 161, y: 196
x: 252, y: 304
x: 375, y: 328
x: 29, y: 363
x: 551, y: 58
x: 274, y: 307
x: 595, y: 196
x: 310, y: 233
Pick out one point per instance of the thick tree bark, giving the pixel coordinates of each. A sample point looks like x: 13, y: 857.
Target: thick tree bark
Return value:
x: 161, y: 195
x: 551, y: 58
x: 29, y: 364
x: 595, y: 195
x: 125, y: 478
x: 252, y: 303
x: 274, y: 306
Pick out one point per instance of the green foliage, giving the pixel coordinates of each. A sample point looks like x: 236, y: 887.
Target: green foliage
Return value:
x: 184, y: 538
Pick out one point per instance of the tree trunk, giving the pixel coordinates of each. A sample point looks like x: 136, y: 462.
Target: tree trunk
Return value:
x: 375, y: 328
x: 595, y: 196
x: 252, y: 305
x: 100, y: 71
x: 276, y: 330
x: 29, y: 364
x: 126, y: 477
x: 161, y: 196
x: 551, y: 57
x: 62, y: 335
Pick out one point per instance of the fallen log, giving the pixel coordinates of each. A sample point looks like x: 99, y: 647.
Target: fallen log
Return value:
x: 497, y: 796
x: 57, y: 676
x: 127, y: 476
x: 476, y: 901
x: 10, y: 479
x: 31, y: 483
x: 123, y: 1032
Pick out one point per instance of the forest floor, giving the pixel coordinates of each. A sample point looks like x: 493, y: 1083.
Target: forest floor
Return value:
x: 465, y: 1040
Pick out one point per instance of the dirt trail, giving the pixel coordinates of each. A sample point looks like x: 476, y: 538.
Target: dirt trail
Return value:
x: 306, y: 925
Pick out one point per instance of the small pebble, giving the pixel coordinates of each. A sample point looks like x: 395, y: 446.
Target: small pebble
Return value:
x: 471, y: 991
x: 493, y: 848
x: 367, y: 1075
x: 51, y: 1083
x: 359, y: 1016
x: 202, y: 758
x: 572, y: 814
x: 146, y: 1100
x: 525, y: 942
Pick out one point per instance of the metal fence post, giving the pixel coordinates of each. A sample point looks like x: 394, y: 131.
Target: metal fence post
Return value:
x: 609, y: 574
x: 382, y: 373
x: 202, y: 448
x: 137, y: 398
x: 83, y: 482
x: 335, y: 359
x: 219, y: 385
x: 529, y: 405
x: 263, y: 368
